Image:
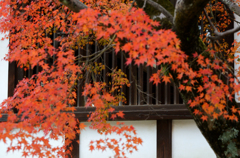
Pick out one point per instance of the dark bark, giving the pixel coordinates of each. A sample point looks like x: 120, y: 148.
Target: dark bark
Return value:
x: 186, y: 28
x: 74, y: 5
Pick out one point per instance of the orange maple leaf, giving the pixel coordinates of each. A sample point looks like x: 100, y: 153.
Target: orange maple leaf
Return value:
x: 196, y: 112
x: 108, y: 97
x: 113, y: 116
x: 204, y: 118
x: 91, y: 148
x: 234, y: 110
x: 120, y: 114
x: 215, y: 115
x: 200, y: 89
x: 181, y: 87
x: 188, y: 88
x: 111, y: 109
x: 82, y: 126
x: 166, y: 79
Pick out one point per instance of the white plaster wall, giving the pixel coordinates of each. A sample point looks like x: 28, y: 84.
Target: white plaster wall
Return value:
x: 188, y: 142
x: 146, y: 130
x: 3, y: 70
x: 18, y: 153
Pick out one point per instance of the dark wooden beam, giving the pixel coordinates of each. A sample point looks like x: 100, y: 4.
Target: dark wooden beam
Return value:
x: 143, y: 112
x: 136, y: 112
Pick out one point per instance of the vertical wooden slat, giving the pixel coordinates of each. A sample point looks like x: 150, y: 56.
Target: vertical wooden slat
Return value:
x: 133, y: 87
x: 37, y: 69
x: 30, y: 72
x: 114, y: 63
x: 97, y: 78
x: 11, y: 78
x: 157, y: 89
x: 20, y: 74
x: 123, y: 68
x: 105, y: 70
x: 157, y: 95
x: 79, y: 94
x: 25, y: 72
x: 164, y: 138
x: 87, y: 73
x: 113, y: 59
x: 176, y: 95
x: 160, y: 91
x: 106, y: 63
x: 149, y: 86
x: 167, y: 93
x: 140, y: 84
x: 130, y: 81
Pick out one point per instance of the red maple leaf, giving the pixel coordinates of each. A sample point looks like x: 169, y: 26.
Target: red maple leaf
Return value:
x: 204, y: 118
x: 120, y: 114
x: 91, y: 148
x: 82, y: 126
x: 111, y: 109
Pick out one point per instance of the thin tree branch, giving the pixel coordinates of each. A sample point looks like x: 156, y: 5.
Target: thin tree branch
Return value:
x: 218, y: 34
x: 94, y: 54
x: 232, y: 6
x: 209, y: 20
x: 144, y: 5
x: 161, y: 9
x: 228, y: 32
x: 132, y: 5
x: 76, y: 6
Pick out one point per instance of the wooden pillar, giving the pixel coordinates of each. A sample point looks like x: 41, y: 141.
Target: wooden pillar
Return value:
x: 164, y: 138
x: 75, y: 147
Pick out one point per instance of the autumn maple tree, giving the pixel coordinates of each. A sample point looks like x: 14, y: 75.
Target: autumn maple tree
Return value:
x: 187, y: 42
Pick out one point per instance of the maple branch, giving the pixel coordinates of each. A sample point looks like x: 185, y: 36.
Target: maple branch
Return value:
x: 102, y: 51
x: 161, y: 9
x: 74, y: 84
x: 218, y: 34
x: 232, y: 6
x: 94, y: 54
x: 106, y: 48
x: 209, y: 20
x: 74, y: 5
x: 144, y: 5
x: 132, y: 5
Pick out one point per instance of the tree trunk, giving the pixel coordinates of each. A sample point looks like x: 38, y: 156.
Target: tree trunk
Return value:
x: 221, y: 134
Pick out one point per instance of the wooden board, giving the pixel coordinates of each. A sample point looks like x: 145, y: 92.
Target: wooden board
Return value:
x: 164, y: 138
